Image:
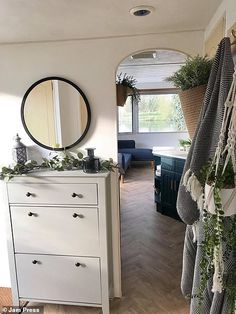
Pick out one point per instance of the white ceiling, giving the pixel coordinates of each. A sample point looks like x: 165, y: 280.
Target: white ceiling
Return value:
x: 41, y: 20
x: 152, y: 73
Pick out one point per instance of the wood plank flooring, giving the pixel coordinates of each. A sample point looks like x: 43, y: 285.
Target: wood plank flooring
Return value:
x: 5, y: 297
x: 152, y: 247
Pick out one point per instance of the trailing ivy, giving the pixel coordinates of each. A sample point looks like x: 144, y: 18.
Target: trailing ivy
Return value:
x: 218, y: 230
x: 66, y: 161
x: 230, y: 252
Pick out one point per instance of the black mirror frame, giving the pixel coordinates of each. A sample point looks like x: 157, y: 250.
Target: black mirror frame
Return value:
x: 85, y: 100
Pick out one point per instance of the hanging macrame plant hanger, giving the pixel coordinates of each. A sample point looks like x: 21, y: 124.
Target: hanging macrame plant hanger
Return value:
x: 225, y: 152
x: 205, y: 196
x: 224, y: 157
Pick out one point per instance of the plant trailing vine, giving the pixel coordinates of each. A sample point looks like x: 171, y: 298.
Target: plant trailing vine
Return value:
x: 219, y: 234
x: 214, y: 191
x: 66, y: 161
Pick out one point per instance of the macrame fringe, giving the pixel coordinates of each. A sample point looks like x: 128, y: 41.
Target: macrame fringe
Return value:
x: 201, y: 201
x: 186, y: 177
x: 195, y: 229
x: 218, y: 269
x: 209, y: 197
x: 194, y: 187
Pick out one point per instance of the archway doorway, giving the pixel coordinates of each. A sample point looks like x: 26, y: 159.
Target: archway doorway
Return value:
x: 151, y: 241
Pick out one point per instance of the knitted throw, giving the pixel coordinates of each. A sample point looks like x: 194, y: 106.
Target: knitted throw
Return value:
x: 203, y: 148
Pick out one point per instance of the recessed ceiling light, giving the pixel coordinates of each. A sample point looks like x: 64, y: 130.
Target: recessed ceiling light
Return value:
x: 142, y: 10
x: 145, y: 55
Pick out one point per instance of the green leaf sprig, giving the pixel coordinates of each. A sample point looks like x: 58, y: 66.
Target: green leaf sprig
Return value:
x: 183, y: 142
x: 218, y: 230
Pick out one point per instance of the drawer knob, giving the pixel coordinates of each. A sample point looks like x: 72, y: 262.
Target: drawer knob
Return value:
x: 28, y: 194
x: 30, y: 214
x: 76, y: 195
x: 78, y: 215
x: 77, y: 264
x: 34, y: 262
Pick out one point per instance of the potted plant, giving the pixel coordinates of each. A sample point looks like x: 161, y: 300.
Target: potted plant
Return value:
x: 192, y: 80
x: 218, y: 213
x: 185, y: 144
x: 218, y: 183
x: 125, y: 86
x: 219, y: 188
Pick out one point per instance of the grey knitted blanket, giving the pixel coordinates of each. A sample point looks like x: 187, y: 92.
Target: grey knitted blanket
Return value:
x: 202, y: 149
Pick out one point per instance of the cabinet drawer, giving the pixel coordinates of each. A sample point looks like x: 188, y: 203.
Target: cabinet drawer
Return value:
x: 58, y: 278
x: 168, y: 163
x: 55, y: 230
x: 53, y: 193
x: 179, y: 167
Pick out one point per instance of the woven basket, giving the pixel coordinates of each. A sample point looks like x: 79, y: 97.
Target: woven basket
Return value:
x: 122, y: 92
x: 191, y: 102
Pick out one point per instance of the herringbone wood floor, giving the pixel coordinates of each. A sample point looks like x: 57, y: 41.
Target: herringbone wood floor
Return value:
x: 151, y: 254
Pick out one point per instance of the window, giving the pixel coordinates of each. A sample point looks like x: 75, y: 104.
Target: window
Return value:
x: 160, y: 112
x: 125, y: 117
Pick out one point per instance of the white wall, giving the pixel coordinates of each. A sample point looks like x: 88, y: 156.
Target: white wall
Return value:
x: 149, y: 140
x: 227, y: 9
x: 92, y: 65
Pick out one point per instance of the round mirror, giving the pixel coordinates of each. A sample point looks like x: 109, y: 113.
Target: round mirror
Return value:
x: 55, y: 113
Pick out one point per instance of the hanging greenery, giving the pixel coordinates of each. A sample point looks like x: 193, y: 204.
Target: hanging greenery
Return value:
x: 66, y: 161
x: 219, y: 241
x: 130, y: 82
x: 214, y: 190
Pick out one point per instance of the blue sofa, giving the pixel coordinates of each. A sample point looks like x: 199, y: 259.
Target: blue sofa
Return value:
x: 124, y: 161
x: 127, y: 153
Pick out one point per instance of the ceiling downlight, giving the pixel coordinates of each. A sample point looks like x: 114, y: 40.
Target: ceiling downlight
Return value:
x: 145, y: 55
x: 142, y: 10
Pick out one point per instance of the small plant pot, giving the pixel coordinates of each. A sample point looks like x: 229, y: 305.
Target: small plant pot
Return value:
x: 122, y: 92
x: 228, y: 198
x: 121, y: 95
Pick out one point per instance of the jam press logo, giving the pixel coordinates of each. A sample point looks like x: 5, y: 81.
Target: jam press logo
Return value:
x: 16, y: 309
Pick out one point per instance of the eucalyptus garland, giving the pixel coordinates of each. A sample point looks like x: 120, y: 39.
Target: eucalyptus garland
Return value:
x: 66, y: 161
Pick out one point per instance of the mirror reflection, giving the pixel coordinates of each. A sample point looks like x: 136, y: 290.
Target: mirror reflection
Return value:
x: 55, y: 113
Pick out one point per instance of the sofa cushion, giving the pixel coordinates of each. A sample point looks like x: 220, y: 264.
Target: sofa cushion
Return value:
x: 138, y: 154
x: 126, y: 144
x: 124, y: 161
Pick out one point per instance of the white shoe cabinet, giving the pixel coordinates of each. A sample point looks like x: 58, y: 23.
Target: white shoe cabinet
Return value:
x: 59, y: 238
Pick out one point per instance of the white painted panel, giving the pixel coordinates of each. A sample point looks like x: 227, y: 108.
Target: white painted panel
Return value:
x: 5, y: 233
x: 42, y: 20
x: 52, y: 193
x: 57, y: 278
x: 34, y: 226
